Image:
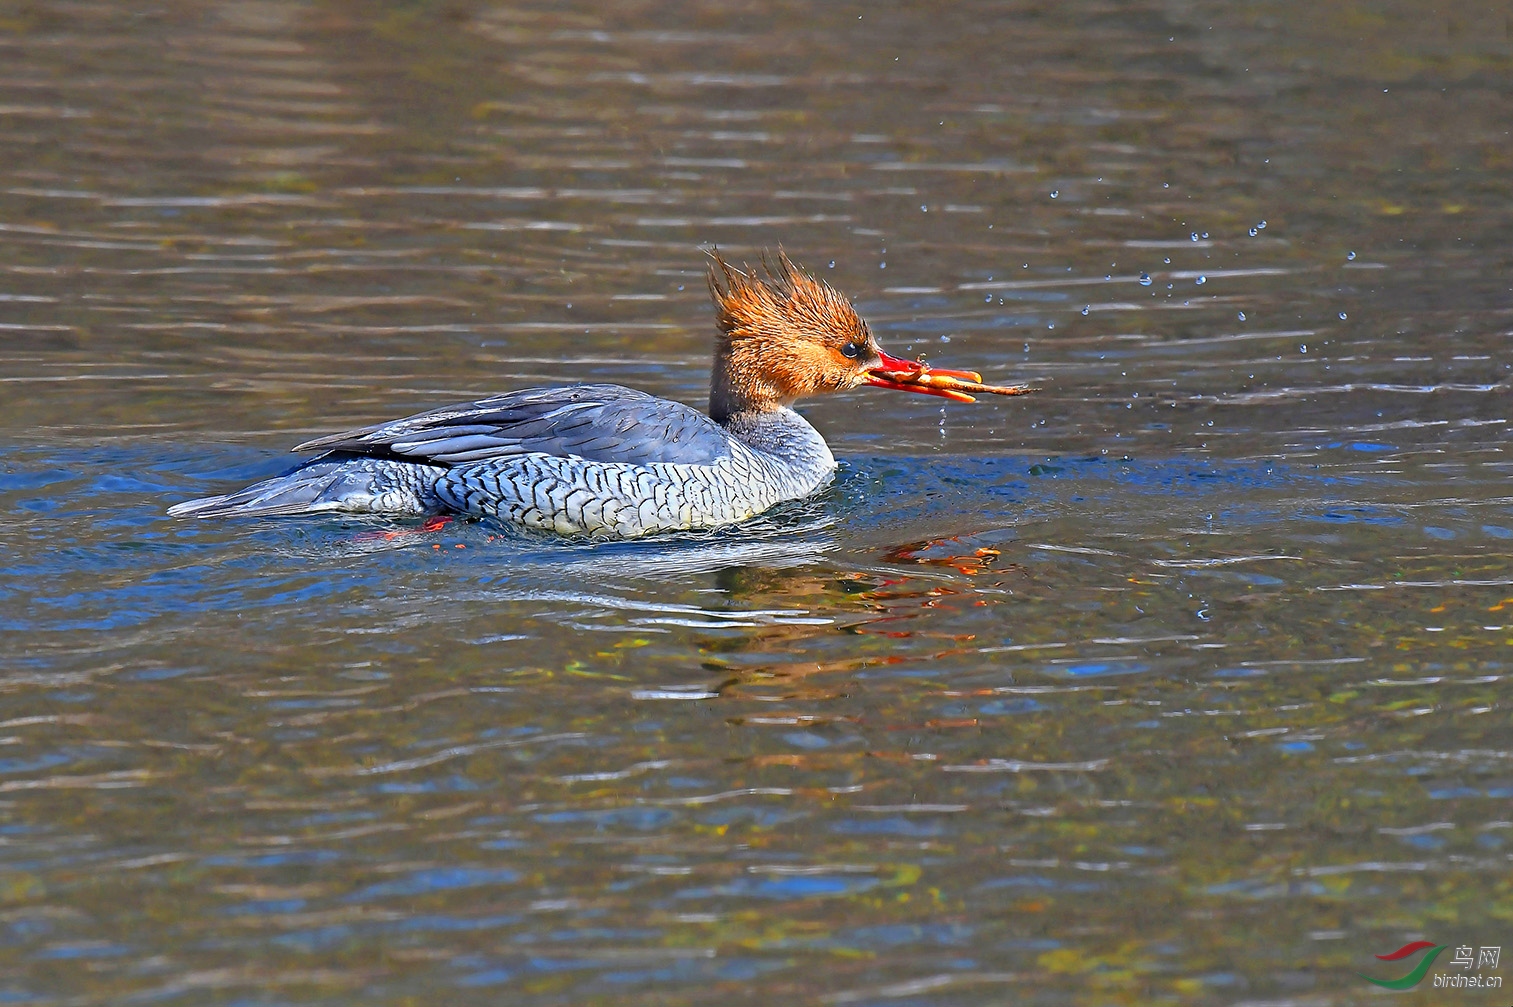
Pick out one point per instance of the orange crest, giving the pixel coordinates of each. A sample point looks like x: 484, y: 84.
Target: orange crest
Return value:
x: 787, y: 303
x: 784, y: 335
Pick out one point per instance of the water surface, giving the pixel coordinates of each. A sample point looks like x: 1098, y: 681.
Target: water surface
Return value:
x: 1182, y: 681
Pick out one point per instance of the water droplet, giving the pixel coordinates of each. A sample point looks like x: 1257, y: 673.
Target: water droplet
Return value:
x: 1350, y: 256
x: 1254, y: 232
x: 1087, y: 308
x: 1168, y: 286
x: 923, y: 208
x: 1195, y: 235
x: 1342, y: 316
x: 680, y: 286
x: 1166, y: 185
x: 988, y: 299
x: 1202, y: 280
x: 1242, y: 316
x: 1167, y: 260
x: 1108, y: 276
x: 945, y: 339
x: 1205, y: 234
x: 882, y: 265
x: 1301, y: 349
x: 1261, y: 226
x: 1055, y: 193
x: 1145, y: 279
x: 1052, y: 325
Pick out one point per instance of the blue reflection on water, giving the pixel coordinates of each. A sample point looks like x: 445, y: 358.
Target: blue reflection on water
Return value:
x: 435, y: 880
x: 641, y: 819
x: 180, y: 570
x: 1007, y: 706
x: 792, y: 887
x: 84, y: 951
x: 895, y: 935
x: 895, y: 826
x: 1041, y: 882
x: 265, y: 906
x: 1097, y: 669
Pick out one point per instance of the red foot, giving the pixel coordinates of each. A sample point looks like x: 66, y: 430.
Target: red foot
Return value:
x: 430, y: 524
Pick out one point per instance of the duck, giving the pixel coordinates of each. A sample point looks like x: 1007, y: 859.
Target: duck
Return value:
x: 607, y: 461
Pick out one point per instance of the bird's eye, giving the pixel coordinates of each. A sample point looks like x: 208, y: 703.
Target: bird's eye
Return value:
x: 851, y: 350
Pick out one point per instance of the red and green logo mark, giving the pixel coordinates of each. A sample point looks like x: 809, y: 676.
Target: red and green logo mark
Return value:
x: 1420, y: 970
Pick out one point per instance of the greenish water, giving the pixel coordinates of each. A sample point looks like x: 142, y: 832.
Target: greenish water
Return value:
x: 1185, y: 680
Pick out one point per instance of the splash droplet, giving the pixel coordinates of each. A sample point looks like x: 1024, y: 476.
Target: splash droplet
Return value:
x: 832, y: 263
x: 1350, y: 256
x: 1055, y: 193
x: 1202, y: 280
x: 1145, y: 279
x: 1087, y: 308
x: 1242, y: 316
x: 1342, y: 316
x: 1195, y: 235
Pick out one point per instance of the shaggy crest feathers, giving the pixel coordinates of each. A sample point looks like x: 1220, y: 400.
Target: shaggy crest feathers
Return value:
x: 781, y: 337
x: 748, y: 305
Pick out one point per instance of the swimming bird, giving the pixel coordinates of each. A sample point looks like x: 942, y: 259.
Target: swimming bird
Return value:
x: 608, y: 461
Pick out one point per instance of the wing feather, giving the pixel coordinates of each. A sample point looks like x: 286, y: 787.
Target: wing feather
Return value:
x: 602, y: 423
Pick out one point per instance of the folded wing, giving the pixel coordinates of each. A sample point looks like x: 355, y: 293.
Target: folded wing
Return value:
x: 601, y: 423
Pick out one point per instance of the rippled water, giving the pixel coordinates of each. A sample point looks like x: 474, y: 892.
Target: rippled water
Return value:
x: 1184, y: 680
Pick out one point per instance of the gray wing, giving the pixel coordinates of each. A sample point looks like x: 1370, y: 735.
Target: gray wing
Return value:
x: 602, y: 423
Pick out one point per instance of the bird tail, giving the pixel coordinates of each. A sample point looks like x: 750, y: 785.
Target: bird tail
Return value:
x: 329, y: 483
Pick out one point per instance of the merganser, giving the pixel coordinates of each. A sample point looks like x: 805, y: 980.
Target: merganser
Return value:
x: 608, y: 461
